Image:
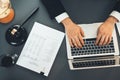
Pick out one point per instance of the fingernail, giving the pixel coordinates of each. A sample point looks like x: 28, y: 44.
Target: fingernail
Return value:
x: 99, y: 44
x: 95, y: 43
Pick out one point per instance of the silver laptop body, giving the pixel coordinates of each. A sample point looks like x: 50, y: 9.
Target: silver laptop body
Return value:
x: 91, y: 56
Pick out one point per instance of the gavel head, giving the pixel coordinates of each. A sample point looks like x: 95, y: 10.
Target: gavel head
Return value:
x: 6, y: 11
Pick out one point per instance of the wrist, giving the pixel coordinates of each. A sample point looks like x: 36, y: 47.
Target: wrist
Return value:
x: 67, y: 21
x: 112, y: 20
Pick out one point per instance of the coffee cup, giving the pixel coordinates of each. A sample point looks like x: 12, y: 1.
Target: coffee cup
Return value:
x: 6, y: 11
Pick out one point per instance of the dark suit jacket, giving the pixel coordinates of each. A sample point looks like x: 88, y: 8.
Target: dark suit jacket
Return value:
x: 55, y: 7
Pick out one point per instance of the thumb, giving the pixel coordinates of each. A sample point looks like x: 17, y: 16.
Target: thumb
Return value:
x: 82, y: 32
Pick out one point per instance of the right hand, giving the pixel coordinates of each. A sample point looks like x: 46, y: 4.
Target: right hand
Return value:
x: 74, y: 32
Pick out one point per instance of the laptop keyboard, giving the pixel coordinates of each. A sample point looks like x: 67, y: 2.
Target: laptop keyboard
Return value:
x: 90, y: 48
x: 93, y: 63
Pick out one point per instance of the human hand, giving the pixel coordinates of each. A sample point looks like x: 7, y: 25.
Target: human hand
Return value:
x: 105, y: 31
x: 74, y: 33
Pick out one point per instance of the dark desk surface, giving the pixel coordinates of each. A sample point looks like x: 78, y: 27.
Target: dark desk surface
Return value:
x: 81, y: 11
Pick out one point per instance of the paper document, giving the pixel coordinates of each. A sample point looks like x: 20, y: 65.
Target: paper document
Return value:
x: 118, y: 27
x: 40, y: 49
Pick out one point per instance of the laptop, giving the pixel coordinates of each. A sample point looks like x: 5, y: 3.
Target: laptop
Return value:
x: 92, y: 56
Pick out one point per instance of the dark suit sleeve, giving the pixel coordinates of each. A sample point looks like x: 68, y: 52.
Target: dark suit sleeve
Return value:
x: 117, y: 6
x: 54, y: 7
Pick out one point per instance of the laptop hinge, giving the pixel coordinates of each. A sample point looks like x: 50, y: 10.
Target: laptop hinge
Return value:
x: 94, y: 57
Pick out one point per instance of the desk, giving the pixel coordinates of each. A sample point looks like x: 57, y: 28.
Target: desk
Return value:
x: 85, y: 11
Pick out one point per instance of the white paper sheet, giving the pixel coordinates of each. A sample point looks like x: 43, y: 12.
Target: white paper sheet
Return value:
x: 40, y: 49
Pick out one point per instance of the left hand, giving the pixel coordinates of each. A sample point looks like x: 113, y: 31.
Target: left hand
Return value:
x: 105, y: 30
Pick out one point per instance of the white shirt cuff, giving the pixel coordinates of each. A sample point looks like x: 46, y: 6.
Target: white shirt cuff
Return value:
x: 61, y: 17
x: 116, y: 14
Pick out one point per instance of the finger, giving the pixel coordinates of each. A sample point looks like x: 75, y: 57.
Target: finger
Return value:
x: 98, y: 31
x: 98, y: 39
x: 105, y: 40
x: 70, y: 42
x: 78, y: 42
x: 74, y: 42
x: 82, y: 32
x: 102, y: 40
x: 81, y: 39
x: 109, y: 39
